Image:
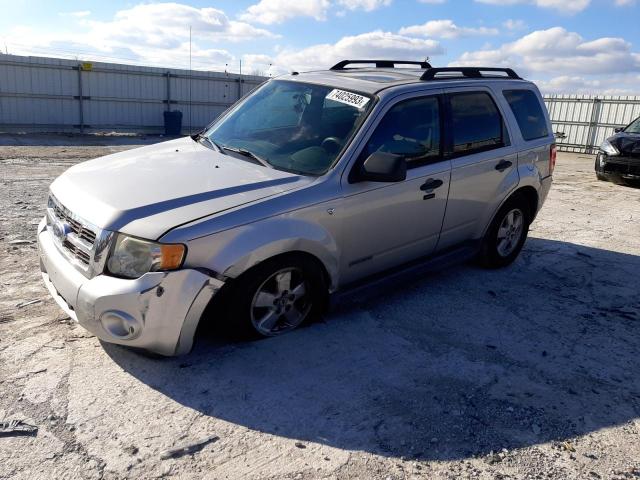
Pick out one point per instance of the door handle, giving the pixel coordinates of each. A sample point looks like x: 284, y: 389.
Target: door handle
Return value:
x: 503, y: 165
x: 431, y: 184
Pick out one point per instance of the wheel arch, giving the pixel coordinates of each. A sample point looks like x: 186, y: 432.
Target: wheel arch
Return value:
x: 292, y: 255
x: 530, y: 195
x: 231, y: 253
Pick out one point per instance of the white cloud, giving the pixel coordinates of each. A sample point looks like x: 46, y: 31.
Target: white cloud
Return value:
x: 625, y: 3
x: 564, y: 6
x: 146, y: 33
x: 376, y: 44
x: 610, y: 85
x: 559, y: 52
x: 277, y: 11
x: 165, y: 24
x: 514, y: 24
x: 445, y: 29
x: 560, y: 61
x: 271, y: 12
x: 366, y: 5
x: 78, y: 14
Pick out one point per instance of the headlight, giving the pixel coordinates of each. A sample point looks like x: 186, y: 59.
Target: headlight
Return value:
x: 133, y: 257
x: 609, y: 149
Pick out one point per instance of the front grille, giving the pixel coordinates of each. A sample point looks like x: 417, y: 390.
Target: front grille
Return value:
x: 83, y: 232
x: 80, y: 254
x: 75, y: 237
x: 622, y: 165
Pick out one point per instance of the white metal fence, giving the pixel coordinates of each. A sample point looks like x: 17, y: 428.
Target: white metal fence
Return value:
x: 39, y: 94
x: 586, y: 120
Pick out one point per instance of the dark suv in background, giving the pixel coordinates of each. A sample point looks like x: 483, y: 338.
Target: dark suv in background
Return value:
x: 619, y: 156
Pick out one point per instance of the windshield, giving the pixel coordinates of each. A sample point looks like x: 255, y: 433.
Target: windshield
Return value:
x: 634, y: 127
x: 292, y: 126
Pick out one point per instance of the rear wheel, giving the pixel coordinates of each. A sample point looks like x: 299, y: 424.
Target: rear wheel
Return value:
x: 277, y: 296
x: 506, y: 235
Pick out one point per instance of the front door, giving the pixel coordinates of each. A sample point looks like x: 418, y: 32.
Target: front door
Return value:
x: 387, y: 224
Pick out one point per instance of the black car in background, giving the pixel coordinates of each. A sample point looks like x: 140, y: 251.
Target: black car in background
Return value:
x: 619, y: 157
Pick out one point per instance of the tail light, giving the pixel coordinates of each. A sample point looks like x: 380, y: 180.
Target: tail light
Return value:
x: 553, y: 155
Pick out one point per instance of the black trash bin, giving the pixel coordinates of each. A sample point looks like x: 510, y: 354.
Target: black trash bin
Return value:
x: 173, y: 123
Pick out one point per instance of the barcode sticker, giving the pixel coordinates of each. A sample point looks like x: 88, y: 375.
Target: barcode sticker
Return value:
x: 349, y: 98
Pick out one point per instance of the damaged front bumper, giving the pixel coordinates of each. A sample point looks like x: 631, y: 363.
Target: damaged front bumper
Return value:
x: 159, y: 311
x: 618, y: 168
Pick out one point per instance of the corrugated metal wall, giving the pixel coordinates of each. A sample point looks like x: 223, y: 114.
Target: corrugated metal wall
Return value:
x: 40, y: 94
x: 586, y: 120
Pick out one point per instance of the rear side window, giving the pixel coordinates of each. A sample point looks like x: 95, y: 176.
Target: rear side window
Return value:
x: 528, y: 112
x: 477, y: 123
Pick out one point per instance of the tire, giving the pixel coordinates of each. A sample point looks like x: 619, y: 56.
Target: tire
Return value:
x: 601, y: 177
x: 277, y: 296
x: 498, y: 250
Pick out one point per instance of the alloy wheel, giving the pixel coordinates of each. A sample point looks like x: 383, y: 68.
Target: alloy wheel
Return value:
x: 281, y: 303
x: 510, y: 232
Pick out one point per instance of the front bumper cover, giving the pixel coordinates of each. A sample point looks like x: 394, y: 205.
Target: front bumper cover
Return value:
x: 158, y: 312
x: 618, y: 168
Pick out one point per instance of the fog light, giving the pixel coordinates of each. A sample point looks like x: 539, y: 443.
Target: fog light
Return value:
x: 601, y: 161
x: 121, y: 325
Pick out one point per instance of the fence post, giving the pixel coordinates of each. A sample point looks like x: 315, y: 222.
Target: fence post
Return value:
x: 593, y: 126
x: 80, y: 106
x: 168, y: 75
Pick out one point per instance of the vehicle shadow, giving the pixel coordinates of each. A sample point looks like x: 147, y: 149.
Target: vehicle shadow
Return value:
x: 458, y: 363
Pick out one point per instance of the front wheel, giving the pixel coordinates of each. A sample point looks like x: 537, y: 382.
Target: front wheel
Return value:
x: 278, y: 296
x: 506, y: 235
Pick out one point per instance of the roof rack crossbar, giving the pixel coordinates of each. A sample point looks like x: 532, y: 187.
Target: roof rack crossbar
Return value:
x: 468, y: 72
x: 380, y: 63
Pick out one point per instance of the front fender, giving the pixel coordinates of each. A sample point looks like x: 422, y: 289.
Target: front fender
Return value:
x: 232, y: 252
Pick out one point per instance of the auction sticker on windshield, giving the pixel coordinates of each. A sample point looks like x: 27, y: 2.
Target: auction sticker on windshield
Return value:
x: 349, y: 98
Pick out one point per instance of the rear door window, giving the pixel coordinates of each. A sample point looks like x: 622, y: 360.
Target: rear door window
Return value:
x: 476, y: 123
x: 528, y: 112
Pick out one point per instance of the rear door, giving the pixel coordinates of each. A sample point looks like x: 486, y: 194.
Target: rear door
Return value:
x: 483, y: 162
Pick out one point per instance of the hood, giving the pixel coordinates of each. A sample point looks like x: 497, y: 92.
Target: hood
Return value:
x: 147, y: 191
x: 628, y: 144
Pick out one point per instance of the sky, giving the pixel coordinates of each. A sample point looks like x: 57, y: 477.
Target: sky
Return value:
x: 566, y: 46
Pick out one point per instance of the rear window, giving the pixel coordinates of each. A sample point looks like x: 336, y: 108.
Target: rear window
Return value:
x: 528, y: 112
x: 477, y: 123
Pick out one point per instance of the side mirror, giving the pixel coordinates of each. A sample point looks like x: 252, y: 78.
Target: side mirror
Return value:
x: 618, y: 129
x: 383, y: 167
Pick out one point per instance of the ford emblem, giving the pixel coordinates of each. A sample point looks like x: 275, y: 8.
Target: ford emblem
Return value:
x: 60, y: 230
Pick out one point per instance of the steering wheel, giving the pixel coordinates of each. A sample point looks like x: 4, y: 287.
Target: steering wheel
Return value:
x: 331, y: 144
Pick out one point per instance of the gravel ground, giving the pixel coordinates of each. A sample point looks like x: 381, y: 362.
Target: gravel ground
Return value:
x: 526, y: 372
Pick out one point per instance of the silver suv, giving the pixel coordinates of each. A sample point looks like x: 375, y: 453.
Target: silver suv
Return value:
x: 314, y: 183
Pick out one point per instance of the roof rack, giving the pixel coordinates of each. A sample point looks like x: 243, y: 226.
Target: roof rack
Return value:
x: 468, y: 72
x: 380, y: 63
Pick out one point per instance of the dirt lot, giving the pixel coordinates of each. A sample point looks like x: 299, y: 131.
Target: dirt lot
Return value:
x: 527, y: 372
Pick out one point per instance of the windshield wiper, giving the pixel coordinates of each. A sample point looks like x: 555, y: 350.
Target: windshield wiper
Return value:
x: 248, y: 154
